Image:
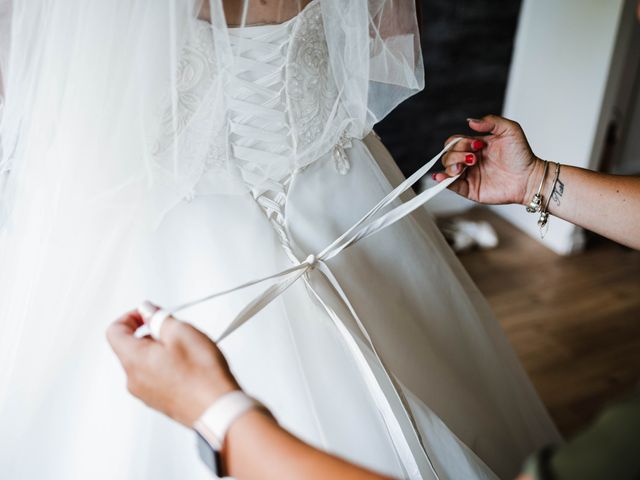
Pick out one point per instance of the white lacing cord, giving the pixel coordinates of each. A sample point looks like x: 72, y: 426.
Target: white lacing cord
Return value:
x: 359, y: 231
x: 258, y: 99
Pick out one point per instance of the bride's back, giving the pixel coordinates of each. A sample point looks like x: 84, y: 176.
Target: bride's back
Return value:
x: 257, y: 11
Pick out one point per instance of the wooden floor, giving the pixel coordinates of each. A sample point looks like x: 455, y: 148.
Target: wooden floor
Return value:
x: 574, y: 321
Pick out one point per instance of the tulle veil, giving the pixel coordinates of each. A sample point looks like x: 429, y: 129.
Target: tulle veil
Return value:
x: 93, y: 153
x: 107, y: 75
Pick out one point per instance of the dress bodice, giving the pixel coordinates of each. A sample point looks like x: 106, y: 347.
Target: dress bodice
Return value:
x: 279, y: 95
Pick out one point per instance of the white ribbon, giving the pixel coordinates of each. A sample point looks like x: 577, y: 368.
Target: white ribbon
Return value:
x: 395, y: 411
x: 359, y: 231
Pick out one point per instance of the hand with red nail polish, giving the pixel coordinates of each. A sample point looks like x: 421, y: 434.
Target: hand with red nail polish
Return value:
x: 497, y: 168
x: 501, y: 168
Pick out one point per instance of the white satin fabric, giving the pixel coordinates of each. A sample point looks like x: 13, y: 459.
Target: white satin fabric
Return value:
x: 458, y: 404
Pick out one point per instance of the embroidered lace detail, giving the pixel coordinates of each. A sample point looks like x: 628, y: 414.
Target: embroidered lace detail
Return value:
x: 340, y: 158
x: 193, y: 79
x: 312, y: 92
x: 199, y: 133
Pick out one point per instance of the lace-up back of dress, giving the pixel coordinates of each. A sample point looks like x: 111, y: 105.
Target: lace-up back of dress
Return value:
x: 260, y: 136
x: 260, y: 133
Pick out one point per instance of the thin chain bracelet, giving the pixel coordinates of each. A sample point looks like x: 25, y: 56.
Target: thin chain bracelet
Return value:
x: 536, y: 201
x: 544, y: 214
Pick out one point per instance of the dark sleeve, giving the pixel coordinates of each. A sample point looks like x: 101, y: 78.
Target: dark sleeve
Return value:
x: 608, y: 449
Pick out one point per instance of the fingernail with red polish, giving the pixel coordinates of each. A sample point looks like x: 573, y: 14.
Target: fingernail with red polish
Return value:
x: 478, y: 145
x: 433, y: 175
x: 470, y: 159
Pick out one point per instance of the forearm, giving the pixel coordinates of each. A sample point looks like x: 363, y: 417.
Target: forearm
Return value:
x: 257, y: 448
x: 605, y: 204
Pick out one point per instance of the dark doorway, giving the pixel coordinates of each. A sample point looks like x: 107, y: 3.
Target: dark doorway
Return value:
x: 467, y: 47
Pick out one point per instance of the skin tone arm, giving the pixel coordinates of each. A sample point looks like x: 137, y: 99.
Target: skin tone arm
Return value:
x: 184, y: 373
x: 500, y: 167
x: 260, y: 12
x: 263, y: 11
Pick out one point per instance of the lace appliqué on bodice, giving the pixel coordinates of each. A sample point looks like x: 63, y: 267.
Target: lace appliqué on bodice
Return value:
x: 282, y: 75
x: 199, y: 133
x: 311, y: 90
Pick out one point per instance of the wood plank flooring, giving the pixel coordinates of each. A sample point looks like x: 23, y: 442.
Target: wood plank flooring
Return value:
x: 574, y: 321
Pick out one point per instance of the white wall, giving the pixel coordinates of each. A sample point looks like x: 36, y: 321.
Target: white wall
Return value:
x: 557, y: 90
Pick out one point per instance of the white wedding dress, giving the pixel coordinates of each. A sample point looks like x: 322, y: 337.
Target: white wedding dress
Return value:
x: 459, y: 406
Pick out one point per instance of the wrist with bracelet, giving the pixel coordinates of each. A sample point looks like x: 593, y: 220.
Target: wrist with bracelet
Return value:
x: 539, y: 203
x: 536, y: 201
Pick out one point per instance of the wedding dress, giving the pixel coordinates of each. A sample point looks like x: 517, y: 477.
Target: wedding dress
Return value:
x: 386, y: 354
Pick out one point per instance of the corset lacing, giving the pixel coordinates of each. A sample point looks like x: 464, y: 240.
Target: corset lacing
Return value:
x: 260, y: 134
